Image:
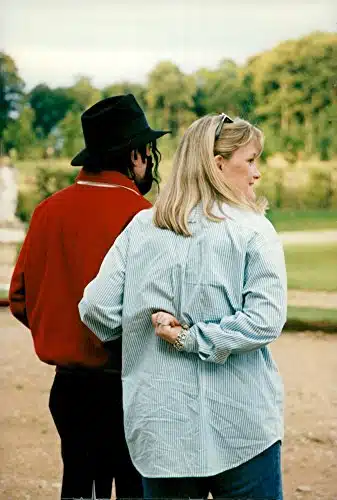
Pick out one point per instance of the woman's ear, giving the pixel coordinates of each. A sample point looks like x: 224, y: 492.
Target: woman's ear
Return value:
x: 220, y: 163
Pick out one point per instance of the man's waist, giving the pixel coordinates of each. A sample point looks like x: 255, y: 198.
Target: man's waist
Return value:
x: 86, y: 370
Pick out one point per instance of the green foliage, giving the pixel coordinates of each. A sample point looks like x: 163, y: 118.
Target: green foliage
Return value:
x: 11, y: 90
x: 299, y: 187
x: 71, y: 134
x: 218, y: 89
x: 294, y: 89
x: 290, y: 92
x: 48, y: 180
x: 27, y: 201
x: 301, y: 196
x: 312, y: 267
x: 169, y: 98
x: 27, y: 146
x: 139, y: 91
x: 322, y: 184
x: 11, y: 94
x: 84, y: 94
x: 50, y: 107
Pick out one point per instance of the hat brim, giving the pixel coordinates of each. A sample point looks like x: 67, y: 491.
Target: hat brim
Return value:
x: 80, y: 158
x: 145, y: 137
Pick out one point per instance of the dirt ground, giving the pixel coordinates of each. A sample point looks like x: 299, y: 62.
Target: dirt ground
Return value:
x: 30, y: 462
x: 305, y: 298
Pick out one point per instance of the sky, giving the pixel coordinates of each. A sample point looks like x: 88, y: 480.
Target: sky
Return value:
x: 55, y: 42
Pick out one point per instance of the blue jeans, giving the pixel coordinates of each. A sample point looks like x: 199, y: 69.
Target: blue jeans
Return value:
x: 258, y: 479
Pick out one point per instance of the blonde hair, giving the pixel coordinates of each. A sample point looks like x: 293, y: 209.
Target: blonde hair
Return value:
x: 196, y: 178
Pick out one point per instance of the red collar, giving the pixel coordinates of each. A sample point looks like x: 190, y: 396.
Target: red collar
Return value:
x: 107, y: 177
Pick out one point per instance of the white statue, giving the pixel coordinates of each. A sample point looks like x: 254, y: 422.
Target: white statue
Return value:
x: 8, y: 191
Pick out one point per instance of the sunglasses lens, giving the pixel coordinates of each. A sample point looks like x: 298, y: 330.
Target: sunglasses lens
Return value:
x: 224, y: 119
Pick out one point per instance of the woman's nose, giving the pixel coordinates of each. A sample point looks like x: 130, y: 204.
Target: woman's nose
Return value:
x: 256, y: 173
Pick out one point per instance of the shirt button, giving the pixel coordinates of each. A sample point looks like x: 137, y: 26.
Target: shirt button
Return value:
x: 185, y: 326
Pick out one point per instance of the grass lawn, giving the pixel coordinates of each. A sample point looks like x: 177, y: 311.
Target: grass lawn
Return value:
x: 312, y: 314
x: 313, y: 319
x: 303, y: 220
x: 312, y: 267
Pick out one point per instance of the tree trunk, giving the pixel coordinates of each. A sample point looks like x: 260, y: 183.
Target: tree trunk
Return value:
x: 308, y: 134
x: 284, y: 109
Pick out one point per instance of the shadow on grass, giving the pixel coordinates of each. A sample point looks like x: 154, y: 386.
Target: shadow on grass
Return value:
x: 298, y: 325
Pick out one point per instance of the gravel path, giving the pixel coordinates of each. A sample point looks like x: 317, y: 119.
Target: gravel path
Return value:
x: 321, y: 300
x: 30, y: 454
x: 309, y: 237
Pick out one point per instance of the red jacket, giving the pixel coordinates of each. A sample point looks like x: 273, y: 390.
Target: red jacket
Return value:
x: 68, y: 237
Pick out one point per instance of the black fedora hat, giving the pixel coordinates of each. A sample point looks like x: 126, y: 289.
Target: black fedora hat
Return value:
x: 112, y: 125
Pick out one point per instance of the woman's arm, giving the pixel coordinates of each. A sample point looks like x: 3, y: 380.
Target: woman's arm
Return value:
x: 262, y: 316
x: 101, y: 306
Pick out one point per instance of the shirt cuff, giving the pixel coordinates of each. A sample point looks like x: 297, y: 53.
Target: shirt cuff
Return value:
x: 190, y: 343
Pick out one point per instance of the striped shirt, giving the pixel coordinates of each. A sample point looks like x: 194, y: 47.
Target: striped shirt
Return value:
x: 217, y: 403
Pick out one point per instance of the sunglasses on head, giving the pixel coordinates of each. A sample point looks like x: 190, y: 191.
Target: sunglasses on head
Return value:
x: 224, y: 119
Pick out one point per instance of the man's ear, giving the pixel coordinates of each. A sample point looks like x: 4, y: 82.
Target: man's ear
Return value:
x: 134, y: 155
x: 220, y: 163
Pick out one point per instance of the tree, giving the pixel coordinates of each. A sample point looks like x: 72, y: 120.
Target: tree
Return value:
x: 217, y: 89
x: 50, y: 107
x: 19, y: 135
x: 293, y: 84
x: 70, y: 134
x: 84, y: 94
x: 169, y: 97
x: 11, y: 91
x: 136, y: 89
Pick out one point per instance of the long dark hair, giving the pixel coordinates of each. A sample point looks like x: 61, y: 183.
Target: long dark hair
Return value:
x: 121, y: 162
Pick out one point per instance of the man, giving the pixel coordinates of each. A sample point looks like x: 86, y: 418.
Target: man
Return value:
x: 69, y: 235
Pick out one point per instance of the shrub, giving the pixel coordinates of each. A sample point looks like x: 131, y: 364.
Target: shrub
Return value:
x: 300, y: 187
x: 47, y: 182
x: 27, y: 201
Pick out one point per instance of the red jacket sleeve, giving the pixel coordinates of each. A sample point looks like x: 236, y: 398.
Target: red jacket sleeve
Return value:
x: 17, y: 298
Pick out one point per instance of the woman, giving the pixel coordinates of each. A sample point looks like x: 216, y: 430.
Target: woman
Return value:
x: 202, y: 401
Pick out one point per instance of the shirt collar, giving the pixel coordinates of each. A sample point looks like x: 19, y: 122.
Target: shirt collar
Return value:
x: 107, y: 177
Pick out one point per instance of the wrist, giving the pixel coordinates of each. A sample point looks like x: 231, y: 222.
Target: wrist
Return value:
x: 179, y: 342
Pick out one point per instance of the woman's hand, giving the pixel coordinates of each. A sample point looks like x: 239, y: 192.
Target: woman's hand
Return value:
x: 167, y: 327
x: 164, y: 318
